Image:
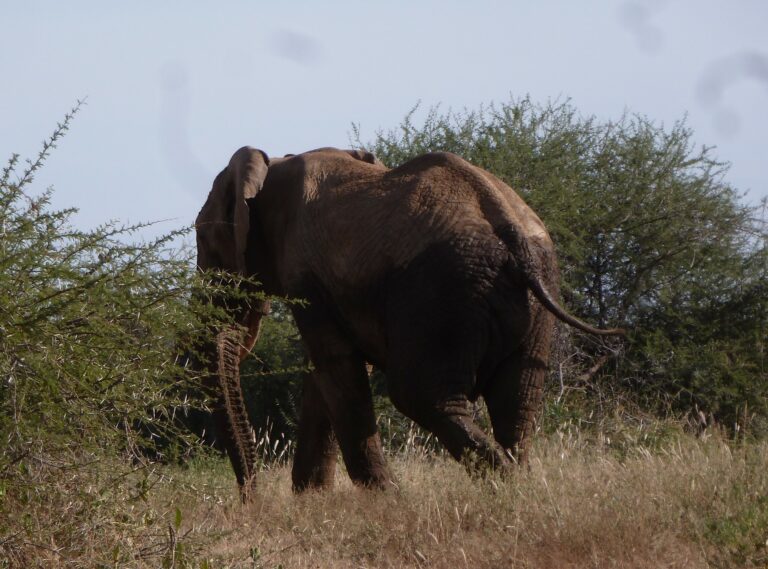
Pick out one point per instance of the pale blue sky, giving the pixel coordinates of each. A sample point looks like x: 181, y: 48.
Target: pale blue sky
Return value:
x: 175, y: 87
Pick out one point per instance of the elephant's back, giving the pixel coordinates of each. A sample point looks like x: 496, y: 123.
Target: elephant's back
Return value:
x: 377, y: 224
x: 358, y: 231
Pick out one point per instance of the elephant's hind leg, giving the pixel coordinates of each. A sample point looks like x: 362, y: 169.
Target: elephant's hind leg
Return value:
x: 447, y: 414
x: 437, y: 335
x: 513, y: 395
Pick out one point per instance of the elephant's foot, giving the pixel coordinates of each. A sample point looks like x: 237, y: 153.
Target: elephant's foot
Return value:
x: 468, y: 444
x: 452, y: 424
x: 315, y: 479
x: 314, y: 465
x: 315, y: 468
x: 366, y: 465
x: 316, y: 471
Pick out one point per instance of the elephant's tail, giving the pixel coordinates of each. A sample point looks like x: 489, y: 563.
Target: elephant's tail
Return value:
x: 534, y: 267
x: 546, y: 299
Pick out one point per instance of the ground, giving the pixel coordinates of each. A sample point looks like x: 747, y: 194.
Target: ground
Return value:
x: 688, y: 502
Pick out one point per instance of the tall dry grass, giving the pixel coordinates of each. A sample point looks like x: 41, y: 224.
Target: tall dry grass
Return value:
x: 689, y: 502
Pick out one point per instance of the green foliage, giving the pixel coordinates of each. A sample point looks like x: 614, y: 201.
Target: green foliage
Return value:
x: 91, y: 327
x: 89, y: 324
x: 738, y: 520
x: 650, y: 236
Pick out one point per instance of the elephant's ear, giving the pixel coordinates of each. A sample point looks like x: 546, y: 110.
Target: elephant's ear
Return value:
x: 223, y: 222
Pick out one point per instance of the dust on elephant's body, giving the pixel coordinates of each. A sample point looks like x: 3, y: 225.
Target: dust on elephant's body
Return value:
x: 436, y: 271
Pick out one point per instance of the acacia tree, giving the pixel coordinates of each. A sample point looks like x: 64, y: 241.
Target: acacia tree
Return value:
x: 91, y: 326
x: 650, y: 236
x: 90, y: 323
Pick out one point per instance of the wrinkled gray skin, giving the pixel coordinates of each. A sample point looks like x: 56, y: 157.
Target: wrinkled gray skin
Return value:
x: 436, y: 272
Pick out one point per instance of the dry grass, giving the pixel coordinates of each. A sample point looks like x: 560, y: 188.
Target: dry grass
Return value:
x: 696, y: 503
x: 584, y: 503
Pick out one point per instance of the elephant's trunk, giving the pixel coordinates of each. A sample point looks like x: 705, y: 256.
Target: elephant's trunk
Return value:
x: 230, y: 416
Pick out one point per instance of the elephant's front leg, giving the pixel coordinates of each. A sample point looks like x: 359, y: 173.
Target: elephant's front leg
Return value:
x: 314, y: 465
x: 346, y: 392
x: 341, y: 378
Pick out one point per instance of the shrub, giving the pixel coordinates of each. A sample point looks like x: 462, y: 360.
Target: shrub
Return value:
x: 90, y: 378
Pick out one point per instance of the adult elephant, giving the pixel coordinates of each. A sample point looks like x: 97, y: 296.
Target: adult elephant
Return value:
x: 436, y: 272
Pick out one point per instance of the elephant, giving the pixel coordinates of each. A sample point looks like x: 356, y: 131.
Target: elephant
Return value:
x: 436, y: 272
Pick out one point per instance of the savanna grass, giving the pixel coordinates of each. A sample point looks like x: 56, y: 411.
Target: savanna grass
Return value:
x: 693, y: 502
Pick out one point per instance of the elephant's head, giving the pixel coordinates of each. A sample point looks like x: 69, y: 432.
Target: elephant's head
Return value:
x: 223, y: 227
x: 231, y: 239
